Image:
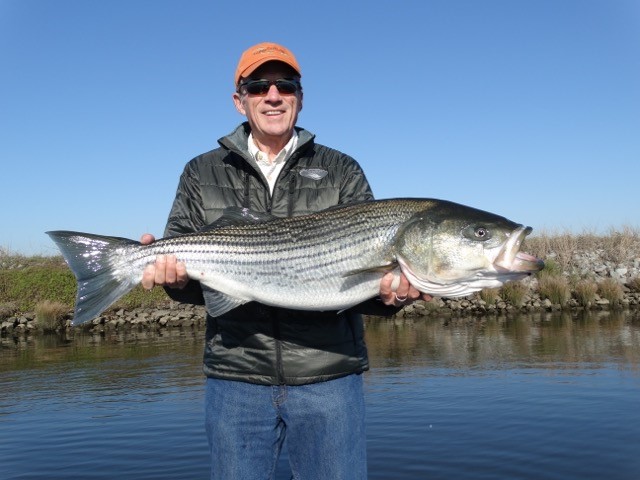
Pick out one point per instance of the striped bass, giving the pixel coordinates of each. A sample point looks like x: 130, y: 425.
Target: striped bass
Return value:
x: 329, y: 260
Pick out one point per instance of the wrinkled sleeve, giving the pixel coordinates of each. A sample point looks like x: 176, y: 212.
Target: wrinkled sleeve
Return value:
x: 354, y: 187
x: 186, y: 216
x: 187, y: 212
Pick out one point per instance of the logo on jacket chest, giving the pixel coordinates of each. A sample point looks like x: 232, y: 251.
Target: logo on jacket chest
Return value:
x: 313, y: 173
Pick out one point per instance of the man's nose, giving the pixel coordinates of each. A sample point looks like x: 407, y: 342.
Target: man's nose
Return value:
x: 273, y: 93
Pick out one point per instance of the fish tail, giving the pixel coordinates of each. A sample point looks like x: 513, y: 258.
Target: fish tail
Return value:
x: 90, y: 258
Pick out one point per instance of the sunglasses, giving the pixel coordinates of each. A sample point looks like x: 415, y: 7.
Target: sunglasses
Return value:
x: 261, y: 87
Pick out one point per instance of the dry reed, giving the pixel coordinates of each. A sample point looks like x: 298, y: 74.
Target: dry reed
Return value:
x: 51, y: 315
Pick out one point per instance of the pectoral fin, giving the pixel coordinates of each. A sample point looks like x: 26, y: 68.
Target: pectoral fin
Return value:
x: 219, y: 303
x: 389, y: 267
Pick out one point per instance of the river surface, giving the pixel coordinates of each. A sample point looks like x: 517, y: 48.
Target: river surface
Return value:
x: 531, y: 397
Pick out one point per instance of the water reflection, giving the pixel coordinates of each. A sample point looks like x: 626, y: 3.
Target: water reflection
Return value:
x: 549, y: 339
x: 34, y: 351
x: 546, y: 337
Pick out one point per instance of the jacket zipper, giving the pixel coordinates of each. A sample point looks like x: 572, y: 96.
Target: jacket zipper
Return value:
x: 280, y: 376
x: 292, y: 187
x: 247, y: 198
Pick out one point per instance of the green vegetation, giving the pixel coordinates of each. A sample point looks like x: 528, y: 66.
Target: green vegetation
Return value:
x: 552, y: 284
x: 514, y: 293
x: 38, y: 283
x: 29, y: 280
x: 555, y: 288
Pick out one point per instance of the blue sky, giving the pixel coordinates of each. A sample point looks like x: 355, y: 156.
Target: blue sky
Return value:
x: 528, y: 109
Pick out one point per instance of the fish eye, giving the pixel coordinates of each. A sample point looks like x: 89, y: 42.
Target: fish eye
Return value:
x: 478, y: 233
x: 481, y: 232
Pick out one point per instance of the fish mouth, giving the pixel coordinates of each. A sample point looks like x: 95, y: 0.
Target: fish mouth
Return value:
x: 511, y: 259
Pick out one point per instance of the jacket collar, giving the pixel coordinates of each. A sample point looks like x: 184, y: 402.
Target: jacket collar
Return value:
x: 237, y: 140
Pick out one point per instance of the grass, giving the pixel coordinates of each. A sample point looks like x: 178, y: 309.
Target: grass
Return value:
x: 489, y: 295
x: 37, y: 279
x: 555, y: 288
x: 563, y: 253
x: 29, y: 282
x: 617, y: 246
x: 552, y: 284
x: 50, y: 315
x: 551, y: 268
x: 611, y: 290
x: 514, y: 293
x: 585, y: 292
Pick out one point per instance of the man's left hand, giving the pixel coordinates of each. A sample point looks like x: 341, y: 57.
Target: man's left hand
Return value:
x: 405, y: 294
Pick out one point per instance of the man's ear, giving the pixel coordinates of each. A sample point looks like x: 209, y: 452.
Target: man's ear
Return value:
x: 237, y: 101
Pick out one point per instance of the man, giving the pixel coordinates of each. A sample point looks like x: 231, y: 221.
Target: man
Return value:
x: 271, y: 371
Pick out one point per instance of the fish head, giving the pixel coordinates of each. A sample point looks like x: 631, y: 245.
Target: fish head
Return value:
x: 454, y: 250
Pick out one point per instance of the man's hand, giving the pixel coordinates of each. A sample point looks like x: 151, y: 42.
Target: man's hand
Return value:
x: 166, y: 272
x: 404, y: 294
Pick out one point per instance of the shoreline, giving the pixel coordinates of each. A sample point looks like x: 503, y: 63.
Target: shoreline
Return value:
x: 176, y: 315
x: 582, y: 273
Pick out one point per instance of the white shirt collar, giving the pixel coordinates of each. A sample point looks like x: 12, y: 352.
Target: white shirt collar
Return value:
x: 283, y: 155
x: 271, y: 170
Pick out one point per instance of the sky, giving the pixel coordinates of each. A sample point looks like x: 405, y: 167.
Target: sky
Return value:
x: 527, y: 109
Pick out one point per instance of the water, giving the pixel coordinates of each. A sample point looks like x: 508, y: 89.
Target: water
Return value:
x: 533, y: 397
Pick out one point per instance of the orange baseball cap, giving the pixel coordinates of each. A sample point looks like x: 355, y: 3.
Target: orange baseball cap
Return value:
x: 261, y: 53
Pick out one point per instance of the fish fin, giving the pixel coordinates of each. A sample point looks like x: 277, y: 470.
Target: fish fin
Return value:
x: 88, y: 257
x: 219, y: 303
x: 238, y: 216
x: 389, y: 267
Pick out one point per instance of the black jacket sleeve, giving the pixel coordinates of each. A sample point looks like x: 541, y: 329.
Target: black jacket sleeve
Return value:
x: 186, y: 216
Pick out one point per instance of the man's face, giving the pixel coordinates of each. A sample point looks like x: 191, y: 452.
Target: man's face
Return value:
x: 271, y: 116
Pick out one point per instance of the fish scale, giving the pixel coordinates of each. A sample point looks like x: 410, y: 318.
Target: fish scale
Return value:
x: 329, y: 260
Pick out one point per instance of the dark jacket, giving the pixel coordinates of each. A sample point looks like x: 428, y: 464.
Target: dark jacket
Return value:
x: 258, y: 343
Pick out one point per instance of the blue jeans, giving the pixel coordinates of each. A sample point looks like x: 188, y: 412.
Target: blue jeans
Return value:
x: 323, y: 423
